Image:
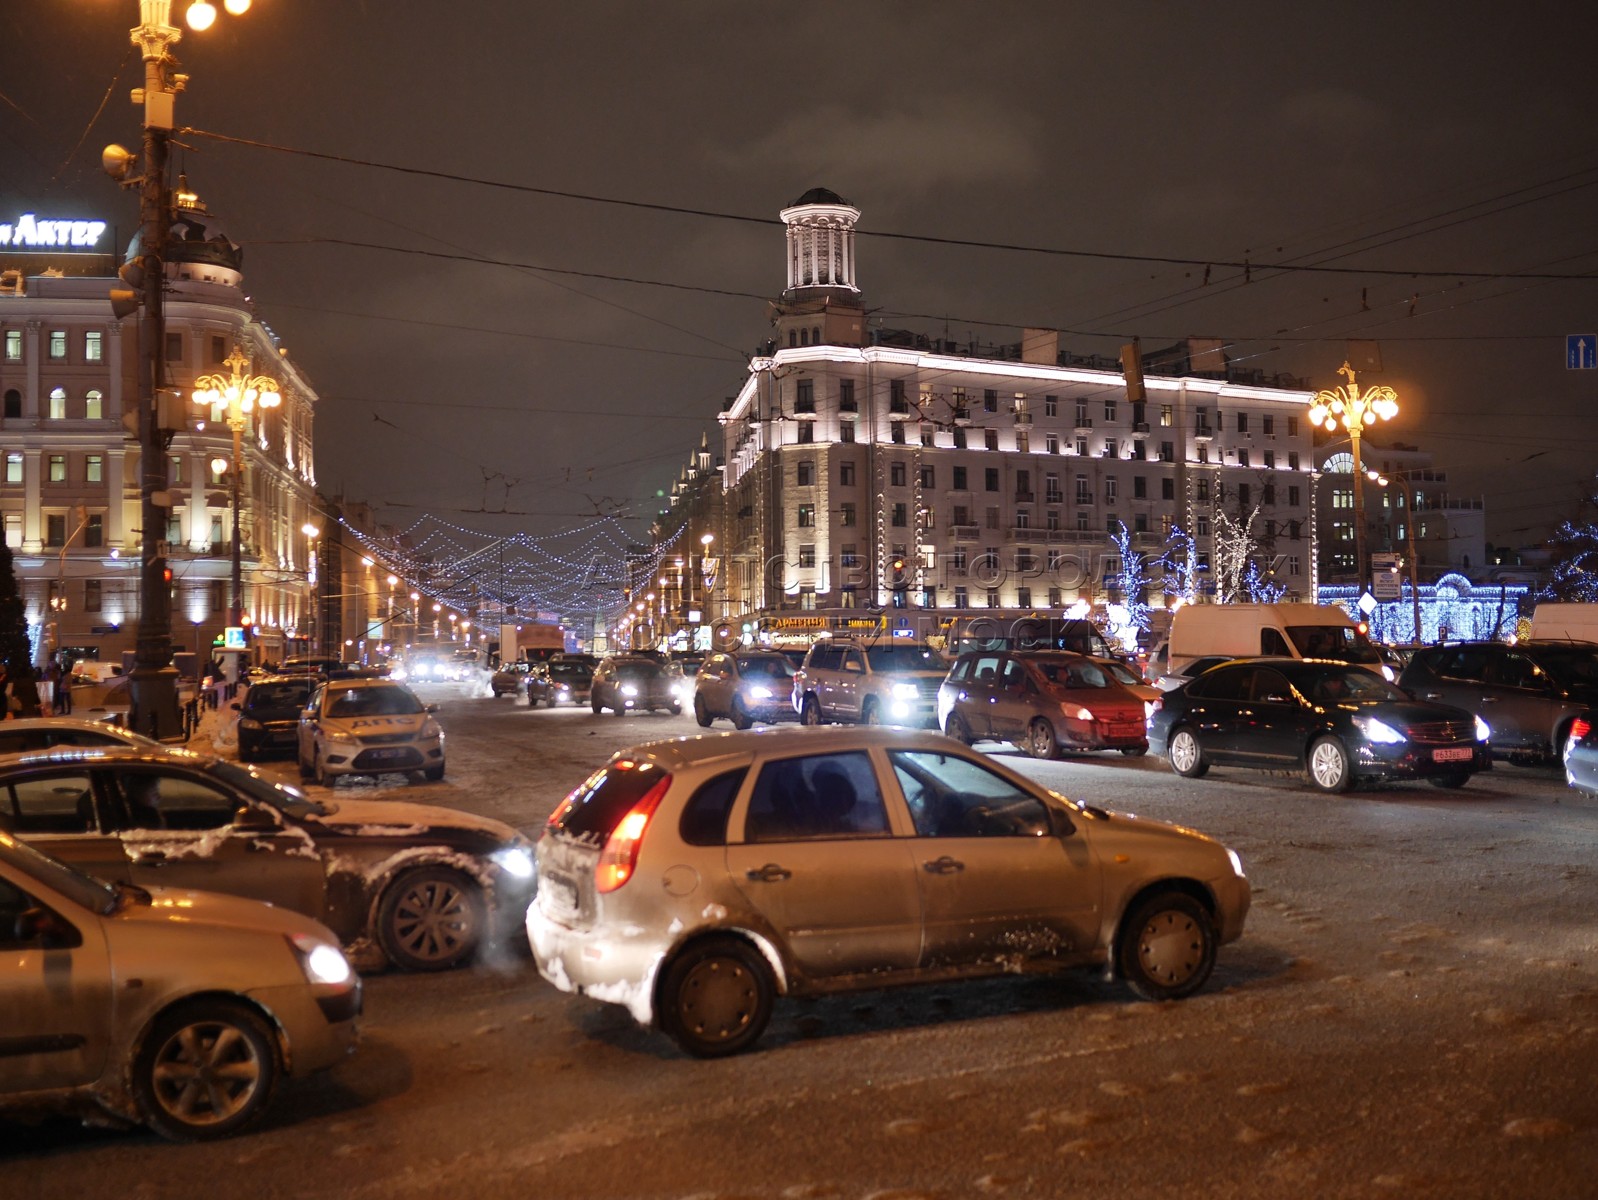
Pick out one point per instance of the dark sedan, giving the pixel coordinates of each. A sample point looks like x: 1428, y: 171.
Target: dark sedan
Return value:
x: 559, y: 681
x: 1337, y: 723
x: 1581, y: 753
x: 633, y: 683
x: 420, y: 887
x: 269, y: 715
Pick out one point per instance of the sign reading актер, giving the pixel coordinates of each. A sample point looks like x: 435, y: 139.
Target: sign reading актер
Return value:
x: 31, y: 232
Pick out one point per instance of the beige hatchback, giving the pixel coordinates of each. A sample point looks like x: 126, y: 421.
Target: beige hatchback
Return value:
x: 695, y: 880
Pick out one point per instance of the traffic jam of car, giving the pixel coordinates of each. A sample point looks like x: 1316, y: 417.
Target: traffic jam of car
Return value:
x: 863, y: 822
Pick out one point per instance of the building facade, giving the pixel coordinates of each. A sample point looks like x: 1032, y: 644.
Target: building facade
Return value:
x: 69, y: 497
x: 874, y: 479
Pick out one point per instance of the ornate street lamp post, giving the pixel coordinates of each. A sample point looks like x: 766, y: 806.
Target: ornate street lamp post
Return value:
x: 243, y: 393
x: 1357, y: 409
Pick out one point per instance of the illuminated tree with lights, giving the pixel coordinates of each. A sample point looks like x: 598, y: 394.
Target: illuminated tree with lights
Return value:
x: 1179, y: 565
x: 16, y: 651
x: 1235, y: 552
x: 1574, y: 547
x: 1132, y: 576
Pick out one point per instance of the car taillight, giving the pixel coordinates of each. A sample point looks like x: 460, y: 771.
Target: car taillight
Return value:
x: 620, y: 855
x: 1580, y: 728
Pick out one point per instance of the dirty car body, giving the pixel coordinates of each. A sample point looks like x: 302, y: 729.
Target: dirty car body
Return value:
x: 694, y: 880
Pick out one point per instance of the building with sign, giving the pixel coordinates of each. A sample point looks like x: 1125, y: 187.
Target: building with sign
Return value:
x: 69, y: 496
x: 870, y: 478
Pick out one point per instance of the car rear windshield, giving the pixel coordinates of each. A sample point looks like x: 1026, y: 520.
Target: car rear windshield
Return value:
x: 1570, y: 668
x: 905, y: 658
x: 570, y: 670
x: 592, y: 812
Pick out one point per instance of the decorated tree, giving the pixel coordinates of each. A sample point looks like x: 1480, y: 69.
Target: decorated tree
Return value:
x: 1235, y: 551
x: 16, y: 651
x: 1131, y: 578
x: 1179, y: 565
x: 1574, y: 560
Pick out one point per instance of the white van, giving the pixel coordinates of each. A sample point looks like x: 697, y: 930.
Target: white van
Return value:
x: 1554, y: 622
x: 1289, y: 630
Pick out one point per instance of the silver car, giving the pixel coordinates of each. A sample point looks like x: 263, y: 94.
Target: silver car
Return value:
x: 693, y: 881
x: 368, y: 727
x: 177, y: 1009
x: 745, y: 687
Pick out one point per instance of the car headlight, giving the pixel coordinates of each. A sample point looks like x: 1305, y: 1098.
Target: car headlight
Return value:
x: 1378, y: 731
x: 1148, y: 710
x: 1483, y: 731
x: 321, y: 961
x: 515, y: 861
x: 905, y: 691
x: 759, y: 691
x: 564, y: 689
x: 249, y: 723
x: 1236, y: 861
x: 340, y: 735
x: 430, y: 729
x: 628, y: 689
x: 1075, y: 711
x: 1387, y: 674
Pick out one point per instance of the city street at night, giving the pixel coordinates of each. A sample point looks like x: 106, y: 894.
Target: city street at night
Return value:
x: 1404, y: 1016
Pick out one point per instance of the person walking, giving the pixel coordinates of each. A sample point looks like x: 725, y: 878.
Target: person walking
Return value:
x: 63, y: 691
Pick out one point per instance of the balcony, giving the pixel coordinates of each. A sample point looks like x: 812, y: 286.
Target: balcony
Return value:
x: 1203, y: 433
x: 964, y: 533
x: 1084, y: 425
x: 898, y: 410
x: 1140, y: 430
x: 1023, y: 418
x: 1054, y: 497
x: 1026, y: 497
x: 962, y: 415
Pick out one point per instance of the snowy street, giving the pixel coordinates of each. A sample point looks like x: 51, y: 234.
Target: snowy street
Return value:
x: 1412, y: 1011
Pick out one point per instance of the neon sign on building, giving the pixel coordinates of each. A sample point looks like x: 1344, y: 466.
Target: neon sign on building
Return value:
x: 29, y: 232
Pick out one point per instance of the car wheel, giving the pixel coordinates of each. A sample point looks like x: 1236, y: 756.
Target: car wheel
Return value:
x: 246, y: 755
x: 1135, y: 751
x: 716, y: 997
x: 320, y: 773
x: 675, y: 710
x: 957, y: 728
x: 1187, y: 760
x: 433, y: 773
x: 1040, y: 739
x: 532, y: 700
x: 596, y: 706
x: 306, y: 769
x: 207, y: 1069
x: 1328, y: 767
x: 1167, y: 947
x: 701, y: 713
x: 740, y: 715
x: 870, y: 714
x: 1454, y: 779
x: 809, y: 711
x: 620, y: 710
x: 430, y: 919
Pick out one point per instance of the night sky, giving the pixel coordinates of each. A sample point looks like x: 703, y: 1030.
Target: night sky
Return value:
x: 1459, y: 140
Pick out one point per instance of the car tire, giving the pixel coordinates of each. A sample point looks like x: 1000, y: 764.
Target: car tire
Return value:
x: 675, y: 710
x: 701, y: 713
x: 181, y: 1093
x: 870, y: 713
x: 1185, y: 755
x: 430, y: 919
x: 740, y: 715
x: 716, y: 997
x: 306, y: 770
x: 1135, y: 751
x: 620, y: 710
x: 532, y: 700
x: 1166, y: 947
x: 433, y: 774
x: 1327, y: 766
x: 1452, y: 781
x: 246, y: 755
x: 957, y: 728
x: 1040, y: 739
x: 319, y: 773
x: 597, y: 707
x: 809, y: 711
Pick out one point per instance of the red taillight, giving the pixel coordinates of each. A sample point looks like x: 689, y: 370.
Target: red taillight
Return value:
x: 1580, y: 728
x: 620, y: 855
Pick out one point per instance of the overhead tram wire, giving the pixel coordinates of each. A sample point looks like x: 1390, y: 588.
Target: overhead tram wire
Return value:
x: 928, y: 239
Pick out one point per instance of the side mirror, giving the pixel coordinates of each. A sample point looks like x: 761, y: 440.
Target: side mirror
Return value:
x: 39, y: 926
x: 431, y: 708
x: 236, y: 706
x: 252, y: 819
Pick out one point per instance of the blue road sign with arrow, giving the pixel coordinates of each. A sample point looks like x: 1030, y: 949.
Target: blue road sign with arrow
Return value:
x: 1581, y: 352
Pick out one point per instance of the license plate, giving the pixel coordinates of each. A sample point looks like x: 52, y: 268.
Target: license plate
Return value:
x: 391, y: 752
x: 1453, y: 754
x: 562, y: 895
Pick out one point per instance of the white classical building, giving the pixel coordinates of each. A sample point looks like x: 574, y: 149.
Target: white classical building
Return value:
x: 69, y: 496
x: 870, y: 469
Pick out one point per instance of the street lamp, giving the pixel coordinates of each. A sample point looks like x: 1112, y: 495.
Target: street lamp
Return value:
x: 311, y: 533
x: 1409, y: 537
x: 1356, y: 408
x: 243, y: 393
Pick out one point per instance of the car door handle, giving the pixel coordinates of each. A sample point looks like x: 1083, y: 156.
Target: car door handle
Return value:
x: 1489, y: 699
x: 770, y: 873
x: 1434, y: 695
x: 944, y: 866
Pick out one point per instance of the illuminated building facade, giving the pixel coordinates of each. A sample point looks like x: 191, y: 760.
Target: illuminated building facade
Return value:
x: 69, y: 495
x: 867, y: 471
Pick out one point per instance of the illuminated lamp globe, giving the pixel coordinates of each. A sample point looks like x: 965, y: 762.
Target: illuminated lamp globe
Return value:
x: 201, y: 15
x: 236, y: 8
x: 218, y: 465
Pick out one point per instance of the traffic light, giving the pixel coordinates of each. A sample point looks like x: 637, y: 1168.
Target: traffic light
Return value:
x: 898, y: 574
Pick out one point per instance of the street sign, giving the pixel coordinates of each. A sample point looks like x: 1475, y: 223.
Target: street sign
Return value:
x: 1385, y: 578
x: 1581, y: 352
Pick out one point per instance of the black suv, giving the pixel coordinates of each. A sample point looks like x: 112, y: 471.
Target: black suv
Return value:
x: 269, y: 714
x: 1529, y: 694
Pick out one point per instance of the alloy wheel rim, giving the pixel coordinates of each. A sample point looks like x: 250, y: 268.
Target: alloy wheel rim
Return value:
x: 206, y: 1073
x: 1184, y: 751
x: 1327, y: 763
x: 432, y: 920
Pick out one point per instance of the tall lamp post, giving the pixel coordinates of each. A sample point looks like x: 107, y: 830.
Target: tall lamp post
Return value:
x: 243, y: 393
x: 311, y: 533
x: 153, y: 682
x: 1409, y: 538
x: 1357, y: 409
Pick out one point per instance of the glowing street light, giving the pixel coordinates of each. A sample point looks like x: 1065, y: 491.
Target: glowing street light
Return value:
x: 1357, y: 409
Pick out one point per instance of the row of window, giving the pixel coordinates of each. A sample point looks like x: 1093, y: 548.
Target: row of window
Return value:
x: 95, y: 592
x: 61, y: 406
x: 91, y: 535
x: 56, y: 468
x: 58, y: 346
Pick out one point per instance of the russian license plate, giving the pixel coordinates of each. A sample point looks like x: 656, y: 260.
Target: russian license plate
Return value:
x: 387, y: 752
x: 1453, y: 754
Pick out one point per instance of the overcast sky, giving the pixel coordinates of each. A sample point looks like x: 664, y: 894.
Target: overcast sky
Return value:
x: 1452, y: 138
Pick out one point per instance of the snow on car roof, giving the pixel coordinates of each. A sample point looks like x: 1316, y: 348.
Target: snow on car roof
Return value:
x: 695, y: 749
